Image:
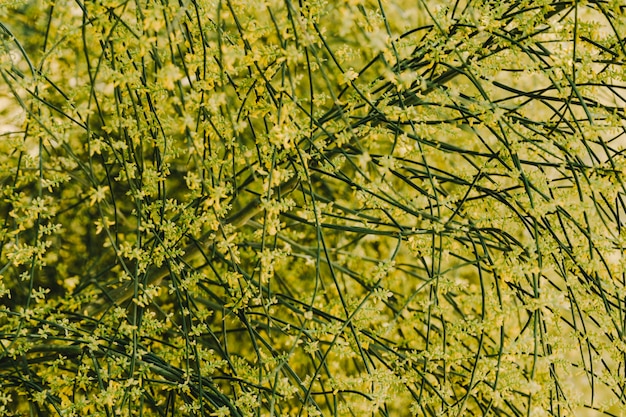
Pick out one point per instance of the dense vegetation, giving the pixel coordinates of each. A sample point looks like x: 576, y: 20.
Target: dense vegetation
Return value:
x: 350, y: 208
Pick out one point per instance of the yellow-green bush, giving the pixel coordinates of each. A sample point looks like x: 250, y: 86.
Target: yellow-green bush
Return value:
x: 271, y: 207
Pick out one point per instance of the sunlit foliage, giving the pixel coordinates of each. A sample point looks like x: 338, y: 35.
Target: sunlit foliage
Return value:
x: 313, y: 208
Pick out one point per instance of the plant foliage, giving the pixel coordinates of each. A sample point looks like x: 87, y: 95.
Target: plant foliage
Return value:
x: 307, y: 208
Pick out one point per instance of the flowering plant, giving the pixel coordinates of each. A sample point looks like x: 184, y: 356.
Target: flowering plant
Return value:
x: 234, y: 208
